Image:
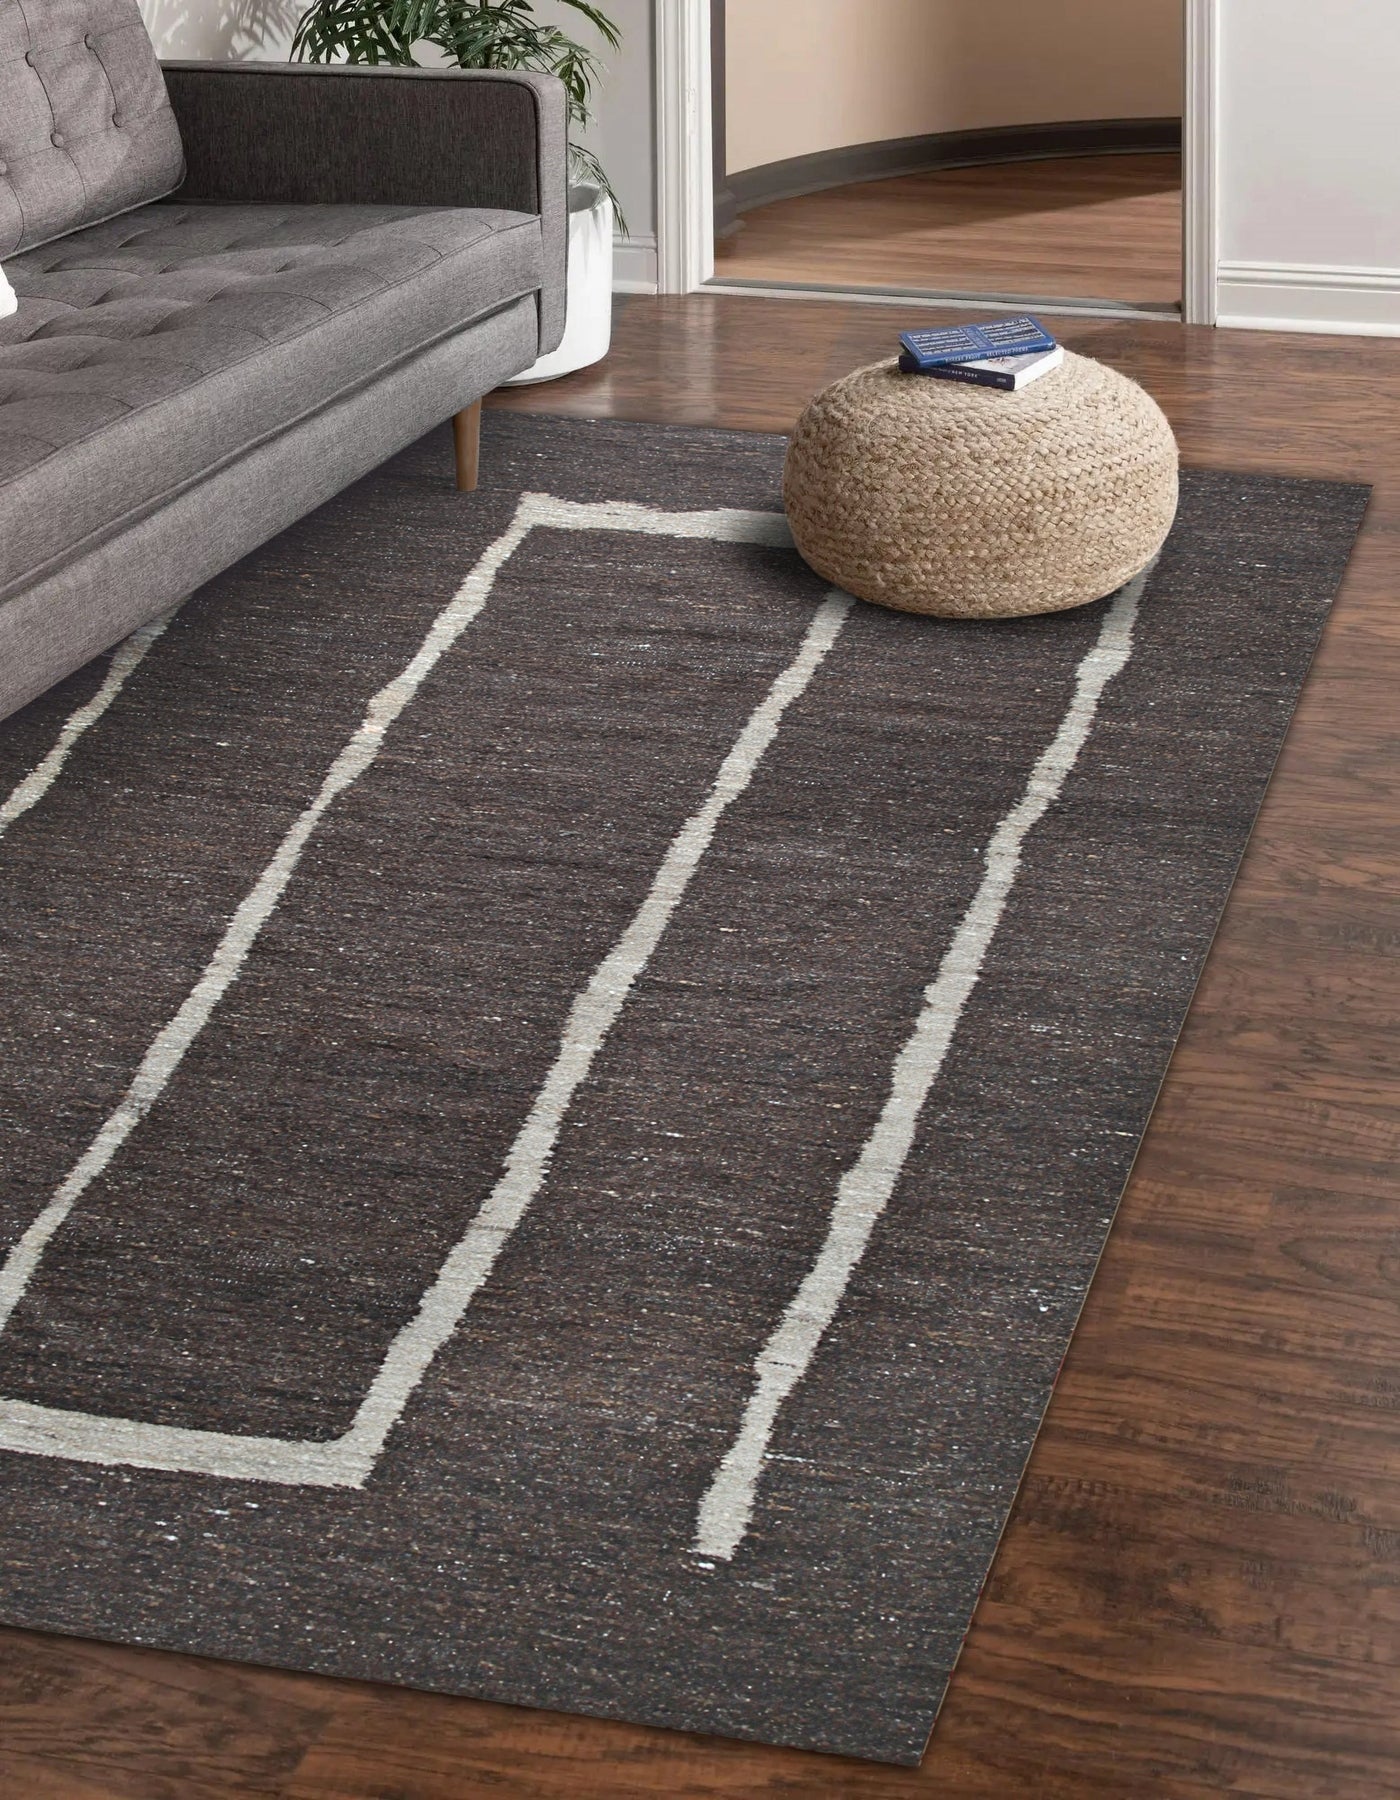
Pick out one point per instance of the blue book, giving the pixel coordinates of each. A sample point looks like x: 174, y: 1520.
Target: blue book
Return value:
x: 1011, y: 373
x: 974, y: 343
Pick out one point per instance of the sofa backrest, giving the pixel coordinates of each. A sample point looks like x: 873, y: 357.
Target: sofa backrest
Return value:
x: 86, y: 129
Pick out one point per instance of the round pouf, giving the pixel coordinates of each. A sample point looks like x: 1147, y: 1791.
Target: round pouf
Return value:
x: 936, y: 497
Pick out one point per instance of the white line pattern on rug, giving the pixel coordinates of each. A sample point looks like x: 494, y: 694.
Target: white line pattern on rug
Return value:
x: 172, y: 1042
x: 726, y: 1511
x: 348, y: 1460
x: 125, y: 659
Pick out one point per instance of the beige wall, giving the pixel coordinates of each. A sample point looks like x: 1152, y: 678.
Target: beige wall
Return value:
x: 808, y: 75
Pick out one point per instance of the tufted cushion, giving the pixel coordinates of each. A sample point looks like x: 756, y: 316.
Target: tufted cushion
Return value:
x: 86, y: 130
x: 154, y: 348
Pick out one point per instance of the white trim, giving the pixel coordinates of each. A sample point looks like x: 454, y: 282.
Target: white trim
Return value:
x: 864, y: 1191
x: 1352, y: 302
x: 634, y: 264
x: 348, y: 1460
x: 1200, y: 143
x: 685, y: 229
x: 892, y: 296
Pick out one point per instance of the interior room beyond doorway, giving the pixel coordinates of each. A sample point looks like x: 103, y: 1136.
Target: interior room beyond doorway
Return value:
x: 983, y: 147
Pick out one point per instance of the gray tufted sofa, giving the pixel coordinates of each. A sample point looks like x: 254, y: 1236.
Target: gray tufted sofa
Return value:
x: 240, y: 286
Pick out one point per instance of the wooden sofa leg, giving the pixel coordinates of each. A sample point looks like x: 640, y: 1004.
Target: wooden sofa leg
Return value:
x: 466, y: 435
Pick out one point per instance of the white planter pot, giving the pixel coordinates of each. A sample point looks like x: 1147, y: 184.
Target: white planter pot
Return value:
x: 588, y: 315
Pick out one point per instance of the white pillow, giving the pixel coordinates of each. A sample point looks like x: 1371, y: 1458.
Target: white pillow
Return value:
x: 8, y: 303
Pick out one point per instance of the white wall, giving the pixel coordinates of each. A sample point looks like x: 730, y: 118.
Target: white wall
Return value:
x: 863, y: 71
x: 262, y: 30
x: 1309, y: 165
x: 625, y: 133
x: 222, y: 30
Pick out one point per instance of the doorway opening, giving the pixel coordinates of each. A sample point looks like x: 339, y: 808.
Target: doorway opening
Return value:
x: 986, y: 151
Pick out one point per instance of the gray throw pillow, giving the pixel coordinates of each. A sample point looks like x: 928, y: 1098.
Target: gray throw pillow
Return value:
x: 86, y: 129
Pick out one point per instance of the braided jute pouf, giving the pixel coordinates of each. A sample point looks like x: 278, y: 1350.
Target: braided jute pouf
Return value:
x: 935, y: 497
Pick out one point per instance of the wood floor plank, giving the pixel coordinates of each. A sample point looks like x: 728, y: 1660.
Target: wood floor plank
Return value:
x: 1089, y: 227
x: 83, y: 1720
x: 1197, y: 1591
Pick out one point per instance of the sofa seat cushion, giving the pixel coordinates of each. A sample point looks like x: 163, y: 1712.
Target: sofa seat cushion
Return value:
x: 149, y: 351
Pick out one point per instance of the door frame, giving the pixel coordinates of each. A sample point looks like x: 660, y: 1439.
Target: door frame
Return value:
x: 685, y: 232
x: 685, y: 154
x: 1200, y: 164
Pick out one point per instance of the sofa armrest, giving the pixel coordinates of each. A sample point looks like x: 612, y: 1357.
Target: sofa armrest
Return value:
x: 287, y: 133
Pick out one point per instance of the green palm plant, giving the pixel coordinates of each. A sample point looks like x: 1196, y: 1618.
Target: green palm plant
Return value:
x: 475, y: 34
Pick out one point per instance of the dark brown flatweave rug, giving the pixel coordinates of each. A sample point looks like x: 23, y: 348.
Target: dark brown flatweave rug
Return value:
x: 563, y: 1084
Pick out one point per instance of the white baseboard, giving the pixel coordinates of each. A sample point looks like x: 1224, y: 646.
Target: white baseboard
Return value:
x: 751, y: 288
x: 634, y: 264
x: 1262, y: 296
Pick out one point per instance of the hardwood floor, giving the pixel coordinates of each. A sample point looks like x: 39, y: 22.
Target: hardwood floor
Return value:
x: 1198, y: 1593
x: 1089, y: 227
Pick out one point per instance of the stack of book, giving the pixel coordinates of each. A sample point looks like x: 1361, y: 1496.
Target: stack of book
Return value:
x: 1007, y: 353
